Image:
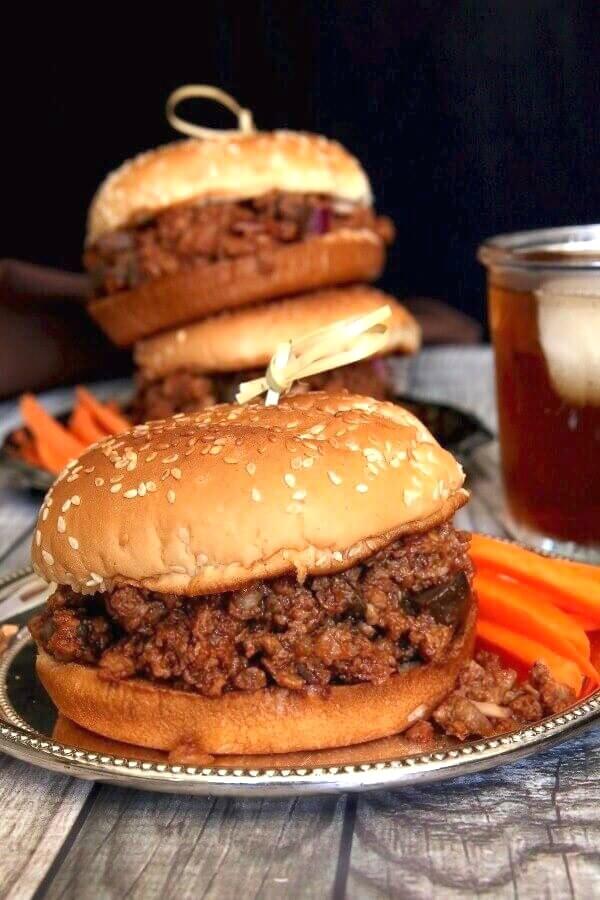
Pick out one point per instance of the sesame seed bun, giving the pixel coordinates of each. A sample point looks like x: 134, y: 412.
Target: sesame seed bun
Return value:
x: 212, y: 500
x: 231, y: 168
x: 271, y: 720
x: 340, y: 257
x: 244, y: 339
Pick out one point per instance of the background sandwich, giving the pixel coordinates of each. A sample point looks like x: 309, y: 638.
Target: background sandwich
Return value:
x: 199, y: 226
x: 195, y: 366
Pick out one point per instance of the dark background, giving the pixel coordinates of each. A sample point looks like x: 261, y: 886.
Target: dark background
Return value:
x: 472, y: 118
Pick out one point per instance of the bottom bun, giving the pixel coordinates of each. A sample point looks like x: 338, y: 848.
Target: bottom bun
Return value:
x: 340, y: 257
x: 272, y: 720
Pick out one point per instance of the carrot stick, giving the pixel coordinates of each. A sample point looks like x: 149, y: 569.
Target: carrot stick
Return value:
x: 526, y: 611
x: 49, y: 458
x: 48, y: 432
x: 575, y: 585
x: 528, y: 651
x: 83, y: 426
x: 585, y: 622
x: 110, y: 421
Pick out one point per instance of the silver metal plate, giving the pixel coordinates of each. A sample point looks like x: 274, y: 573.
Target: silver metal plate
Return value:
x: 28, y: 722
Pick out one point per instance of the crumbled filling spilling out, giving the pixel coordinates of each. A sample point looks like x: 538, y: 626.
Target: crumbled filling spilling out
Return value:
x: 192, y: 235
x: 184, y: 391
x: 401, y: 607
x: 489, y: 700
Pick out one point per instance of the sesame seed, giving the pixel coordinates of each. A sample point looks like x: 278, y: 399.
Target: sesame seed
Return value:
x: 66, y: 506
x: 215, y: 449
x: 116, y: 488
x: 251, y: 468
x: 173, y: 458
x: 334, y: 477
x: 171, y: 496
x: 298, y: 495
x: 151, y: 456
x: 290, y: 479
x: 230, y: 460
x: 45, y: 513
x: 98, y: 482
x: 362, y: 488
x: 409, y: 496
x: 373, y: 468
x: 201, y: 559
x: 76, y: 500
x: 256, y: 495
x: 337, y: 556
x: 38, y: 538
x: 141, y: 489
x: 317, y: 429
x: 151, y: 486
x: 61, y: 525
x: 176, y: 473
x: 131, y: 493
x: 89, y: 470
x: 47, y: 557
x: 179, y: 570
x: 307, y: 463
x: 74, y: 543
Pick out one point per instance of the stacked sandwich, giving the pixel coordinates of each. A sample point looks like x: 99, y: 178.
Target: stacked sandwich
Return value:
x: 205, y: 254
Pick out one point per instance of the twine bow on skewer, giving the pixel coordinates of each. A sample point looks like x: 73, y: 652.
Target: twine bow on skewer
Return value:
x: 340, y: 344
x: 208, y: 92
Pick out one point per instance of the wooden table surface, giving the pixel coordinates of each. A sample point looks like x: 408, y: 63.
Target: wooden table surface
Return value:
x: 528, y: 830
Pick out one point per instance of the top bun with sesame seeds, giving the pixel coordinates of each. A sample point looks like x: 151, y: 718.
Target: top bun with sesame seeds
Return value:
x: 242, y: 166
x: 207, y: 502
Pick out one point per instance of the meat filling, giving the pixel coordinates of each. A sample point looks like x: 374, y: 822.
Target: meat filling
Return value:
x: 488, y: 700
x: 398, y: 608
x: 192, y: 235
x: 184, y: 391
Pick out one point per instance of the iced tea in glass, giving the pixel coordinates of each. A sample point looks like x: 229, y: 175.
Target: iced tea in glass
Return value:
x: 544, y: 313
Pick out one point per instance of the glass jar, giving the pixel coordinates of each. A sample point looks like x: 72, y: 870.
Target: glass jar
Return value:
x: 544, y: 314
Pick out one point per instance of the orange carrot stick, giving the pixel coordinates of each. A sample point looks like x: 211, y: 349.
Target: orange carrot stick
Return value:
x: 526, y: 611
x: 576, y: 586
x: 82, y: 424
x: 50, y: 459
x: 585, y: 622
x: 48, y: 432
x: 528, y: 651
x: 110, y: 421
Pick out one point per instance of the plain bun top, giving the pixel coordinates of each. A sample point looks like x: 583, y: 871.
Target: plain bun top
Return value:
x: 244, y: 339
x: 237, y: 167
x: 208, y: 501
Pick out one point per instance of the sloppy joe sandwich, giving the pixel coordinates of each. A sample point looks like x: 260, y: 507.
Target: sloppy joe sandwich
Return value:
x: 198, y: 226
x: 256, y: 579
x: 198, y: 365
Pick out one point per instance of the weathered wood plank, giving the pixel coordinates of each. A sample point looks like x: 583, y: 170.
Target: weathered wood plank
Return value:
x: 529, y: 830
x: 152, y: 845
x: 37, y: 812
